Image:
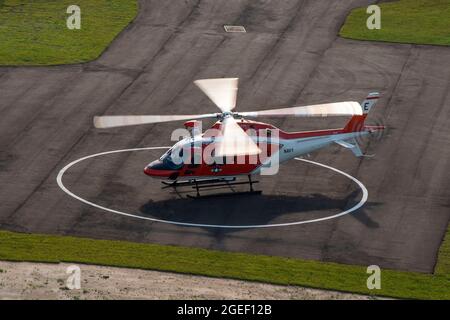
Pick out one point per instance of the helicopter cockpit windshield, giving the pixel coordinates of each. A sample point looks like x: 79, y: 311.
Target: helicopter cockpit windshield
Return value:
x: 173, y: 158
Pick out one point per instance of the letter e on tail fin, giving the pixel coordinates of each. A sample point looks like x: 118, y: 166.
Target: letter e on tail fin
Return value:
x: 370, y: 101
x: 356, y: 123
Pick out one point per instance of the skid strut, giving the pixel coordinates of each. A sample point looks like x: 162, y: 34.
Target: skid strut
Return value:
x: 213, y: 184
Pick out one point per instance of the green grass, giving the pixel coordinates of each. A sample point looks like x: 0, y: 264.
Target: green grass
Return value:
x: 277, y: 270
x: 35, y: 32
x: 405, y: 21
x: 443, y: 263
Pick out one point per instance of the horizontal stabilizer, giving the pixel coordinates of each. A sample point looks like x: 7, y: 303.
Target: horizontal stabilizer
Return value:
x: 354, y: 147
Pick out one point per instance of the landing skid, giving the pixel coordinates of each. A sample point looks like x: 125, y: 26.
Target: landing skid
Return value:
x: 192, y: 182
x: 223, y: 194
x: 211, y: 184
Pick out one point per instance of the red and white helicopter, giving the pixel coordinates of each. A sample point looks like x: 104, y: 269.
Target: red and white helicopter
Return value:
x: 235, y: 152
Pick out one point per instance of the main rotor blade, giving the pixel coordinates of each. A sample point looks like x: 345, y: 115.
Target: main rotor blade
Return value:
x: 121, y: 121
x: 234, y: 141
x: 347, y: 108
x: 222, y: 92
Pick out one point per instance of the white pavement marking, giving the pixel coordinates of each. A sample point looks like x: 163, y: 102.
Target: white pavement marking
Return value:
x: 356, y: 207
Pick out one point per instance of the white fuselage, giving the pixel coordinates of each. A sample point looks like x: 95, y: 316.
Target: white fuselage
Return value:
x: 292, y: 148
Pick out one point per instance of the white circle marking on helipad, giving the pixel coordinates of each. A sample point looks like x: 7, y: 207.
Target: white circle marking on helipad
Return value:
x: 340, y: 214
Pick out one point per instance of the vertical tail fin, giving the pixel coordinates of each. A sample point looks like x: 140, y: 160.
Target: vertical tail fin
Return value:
x: 370, y: 101
x: 356, y: 123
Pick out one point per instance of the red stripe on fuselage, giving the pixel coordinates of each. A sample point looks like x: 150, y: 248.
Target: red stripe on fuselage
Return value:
x: 248, y: 124
x: 309, y: 134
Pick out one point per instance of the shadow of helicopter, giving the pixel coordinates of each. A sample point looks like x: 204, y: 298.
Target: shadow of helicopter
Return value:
x: 250, y: 209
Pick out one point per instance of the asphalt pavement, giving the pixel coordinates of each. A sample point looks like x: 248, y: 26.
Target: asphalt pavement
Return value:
x: 290, y: 55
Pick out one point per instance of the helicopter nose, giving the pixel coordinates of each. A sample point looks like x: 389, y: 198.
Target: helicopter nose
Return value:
x: 157, y: 169
x: 148, y: 171
x: 152, y: 168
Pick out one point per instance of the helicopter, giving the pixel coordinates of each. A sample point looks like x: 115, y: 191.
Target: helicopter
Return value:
x: 236, y: 146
